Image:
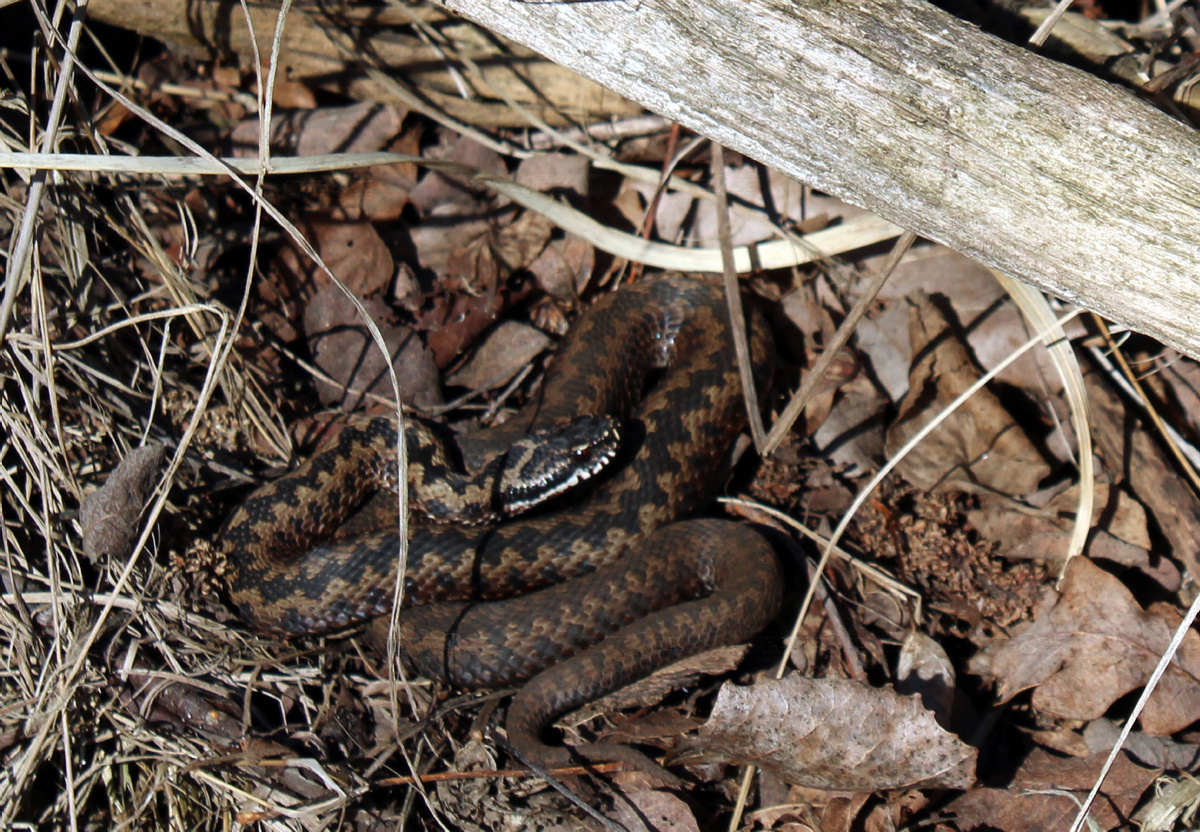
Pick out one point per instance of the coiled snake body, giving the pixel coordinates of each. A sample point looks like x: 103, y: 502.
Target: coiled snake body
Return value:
x: 620, y: 585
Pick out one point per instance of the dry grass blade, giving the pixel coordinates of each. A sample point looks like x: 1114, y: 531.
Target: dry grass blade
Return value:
x: 1038, y: 315
x: 776, y: 254
x: 733, y: 297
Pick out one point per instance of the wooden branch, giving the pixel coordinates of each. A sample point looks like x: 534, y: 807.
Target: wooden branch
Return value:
x: 1029, y: 166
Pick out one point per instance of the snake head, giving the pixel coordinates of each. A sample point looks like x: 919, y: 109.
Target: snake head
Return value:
x: 548, y: 462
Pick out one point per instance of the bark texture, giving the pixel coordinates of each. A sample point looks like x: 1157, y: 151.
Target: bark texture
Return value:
x: 320, y: 40
x: 1029, y: 166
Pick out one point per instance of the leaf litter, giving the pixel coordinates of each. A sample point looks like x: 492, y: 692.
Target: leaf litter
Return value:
x: 1013, y: 689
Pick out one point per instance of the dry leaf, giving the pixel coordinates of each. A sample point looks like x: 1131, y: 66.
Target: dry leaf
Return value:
x: 1119, y: 532
x: 110, y: 514
x: 1046, y: 794
x: 652, y: 810
x: 834, y: 734
x: 564, y: 267
x: 343, y: 348
x: 475, y: 277
x: 555, y: 172
x: 381, y: 192
x: 924, y: 670
x: 443, y: 193
x: 647, y: 692
x: 355, y: 254
x: 517, y: 245
x: 508, y: 349
x: 852, y: 434
x: 1091, y: 646
x: 356, y: 128
x: 1130, y: 450
x: 980, y: 444
x: 1156, y: 752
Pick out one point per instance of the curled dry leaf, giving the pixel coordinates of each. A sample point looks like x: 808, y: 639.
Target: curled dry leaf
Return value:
x: 835, y: 734
x: 1091, y: 645
x: 648, y: 692
x: 110, y: 514
x: 924, y: 670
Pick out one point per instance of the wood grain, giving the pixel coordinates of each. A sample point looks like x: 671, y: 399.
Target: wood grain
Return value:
x: 1029, y: 166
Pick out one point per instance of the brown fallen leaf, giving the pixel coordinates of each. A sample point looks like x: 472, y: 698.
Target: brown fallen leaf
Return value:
x: 924, y: 670
x: 1133, y: 452
x: 444, y: 194
x: 648, y: 692
x: 1092, y: 644
x: 834, y: 734
x: 980, y: 444
x: 1046, y: 793
x: 475, y: 277
x: 555, y: 173
x: 1119, y: 532
x: 343, y: 348
x: 507, y: 350
x: 381, y: 192
x: 1156, y: 752
x: 110, y: 514
x: 564, y: 267
x: 651, y: 810
x: 356, y: 128
x: 851, y: 431
x: 355, y: 254
x: 519, y: 244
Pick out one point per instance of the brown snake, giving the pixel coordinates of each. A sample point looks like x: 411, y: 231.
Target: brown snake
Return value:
x: 631, y: 593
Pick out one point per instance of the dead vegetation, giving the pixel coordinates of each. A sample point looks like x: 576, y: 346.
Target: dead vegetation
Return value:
x: 171, y: 337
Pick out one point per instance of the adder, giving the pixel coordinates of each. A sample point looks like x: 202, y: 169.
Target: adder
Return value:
x: 608, y: 587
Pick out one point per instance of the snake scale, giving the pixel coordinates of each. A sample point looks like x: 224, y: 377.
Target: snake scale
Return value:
x: 596, y: 594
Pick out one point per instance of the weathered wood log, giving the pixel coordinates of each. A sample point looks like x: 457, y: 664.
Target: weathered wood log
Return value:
x: 1029, y: 166
x: 320, y: 43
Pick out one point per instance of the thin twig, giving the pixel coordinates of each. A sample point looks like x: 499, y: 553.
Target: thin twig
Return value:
x: 1151, y: 412
x: 733, y: 298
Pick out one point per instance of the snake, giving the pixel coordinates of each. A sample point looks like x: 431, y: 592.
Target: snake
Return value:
x: 585, y: 592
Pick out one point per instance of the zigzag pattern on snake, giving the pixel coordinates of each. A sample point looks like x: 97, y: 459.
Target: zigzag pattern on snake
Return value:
x: 658, y: 357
